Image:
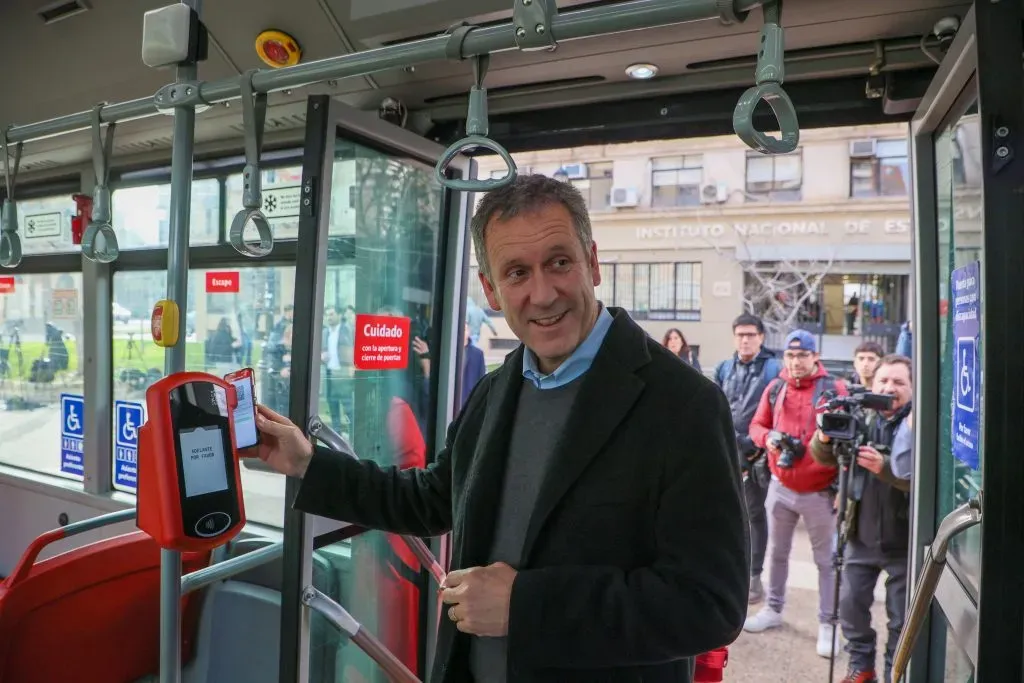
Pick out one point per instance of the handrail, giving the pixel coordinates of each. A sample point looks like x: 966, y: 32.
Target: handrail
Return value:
x: 768, y: 87
x: 567, y: 25
x: 229, y: 568
x: 10, y: 241
x: 28, y: 559
x: 477, y: 128
x: 104, y: 250
x: 962, y: 518
x: 254, y: 115
x: 366, y: 641
x: 320, y: 431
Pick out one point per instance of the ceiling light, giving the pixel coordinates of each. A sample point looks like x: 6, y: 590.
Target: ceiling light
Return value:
x: 641, y: 72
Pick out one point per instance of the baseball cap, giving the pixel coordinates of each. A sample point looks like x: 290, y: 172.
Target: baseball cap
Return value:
x: 801, y: 340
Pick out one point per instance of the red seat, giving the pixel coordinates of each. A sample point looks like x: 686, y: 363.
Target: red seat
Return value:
x: 89, y: 615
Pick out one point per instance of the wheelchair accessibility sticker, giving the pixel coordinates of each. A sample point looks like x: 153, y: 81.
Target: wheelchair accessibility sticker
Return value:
x: 967, y: 371
x: 128, y: 417
x: 72, y: 433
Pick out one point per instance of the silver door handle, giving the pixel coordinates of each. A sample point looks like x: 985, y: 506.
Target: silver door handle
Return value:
x: 964, y: 517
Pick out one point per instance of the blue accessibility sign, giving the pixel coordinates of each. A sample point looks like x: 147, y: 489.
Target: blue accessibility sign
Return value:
x: 967, y: 372
x: 72, y: 434
x: 128, y: 417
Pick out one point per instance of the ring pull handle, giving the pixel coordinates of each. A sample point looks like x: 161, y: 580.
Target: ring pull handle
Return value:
x: 768, y: 87
x: 477, y: 127
x: 10, y: 240
x: 254, y: 116
x: 99, y: 241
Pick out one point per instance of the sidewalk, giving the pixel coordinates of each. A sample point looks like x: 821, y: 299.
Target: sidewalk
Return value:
x: 787, y: 654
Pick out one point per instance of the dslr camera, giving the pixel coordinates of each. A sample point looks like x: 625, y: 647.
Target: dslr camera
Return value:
x: 844, y: 419
x: 790, y: 448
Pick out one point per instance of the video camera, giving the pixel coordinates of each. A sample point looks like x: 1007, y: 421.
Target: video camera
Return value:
x: 843, y: 419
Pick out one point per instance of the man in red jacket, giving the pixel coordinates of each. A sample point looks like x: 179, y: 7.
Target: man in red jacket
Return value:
x: 785, y: 421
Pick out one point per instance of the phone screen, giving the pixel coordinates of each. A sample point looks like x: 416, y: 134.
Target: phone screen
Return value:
x: 246, y: 434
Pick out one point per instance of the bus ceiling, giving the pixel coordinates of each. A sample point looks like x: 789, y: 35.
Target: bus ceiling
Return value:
x: 672, y: 68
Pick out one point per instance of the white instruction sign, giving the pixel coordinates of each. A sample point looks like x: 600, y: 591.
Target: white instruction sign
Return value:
x: 39, y: 225
x: 282, y: 202
x: 202, y: 460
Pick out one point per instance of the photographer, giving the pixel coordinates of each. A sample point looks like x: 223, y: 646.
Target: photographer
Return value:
x: 877, y: 521
x: 800, y: 487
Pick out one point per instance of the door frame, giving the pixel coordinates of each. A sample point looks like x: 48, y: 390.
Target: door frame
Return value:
x: 973, y: 68
x: 328, y: 120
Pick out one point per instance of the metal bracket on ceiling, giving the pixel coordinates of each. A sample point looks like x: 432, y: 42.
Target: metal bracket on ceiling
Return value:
x: 188, y: 94
x: 533, y: 20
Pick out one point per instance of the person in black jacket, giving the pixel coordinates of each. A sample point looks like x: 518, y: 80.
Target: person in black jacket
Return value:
x: 743, y: 378
x: 590, y: 483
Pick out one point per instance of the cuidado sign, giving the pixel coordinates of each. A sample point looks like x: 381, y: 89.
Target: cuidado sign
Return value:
x: 381, y: 342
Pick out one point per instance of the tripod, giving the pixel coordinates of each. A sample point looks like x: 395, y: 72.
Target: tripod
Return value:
x: 845, y: 452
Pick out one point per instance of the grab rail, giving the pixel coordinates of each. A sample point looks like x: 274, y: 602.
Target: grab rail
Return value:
x: 964, y: 517
x: 367, y: 642
x: 104, y: 250
x: 254, y: 115
x: 768, y: 87
x: 477, y: 128
x: 232, y: 567
x: 10, y: 241
x: 335, y: 441
x: 28, y: 559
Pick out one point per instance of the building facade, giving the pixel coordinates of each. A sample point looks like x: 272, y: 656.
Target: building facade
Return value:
x: 692, y: 232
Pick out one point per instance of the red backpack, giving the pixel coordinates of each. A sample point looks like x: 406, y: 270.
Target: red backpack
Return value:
x: 710, y: 666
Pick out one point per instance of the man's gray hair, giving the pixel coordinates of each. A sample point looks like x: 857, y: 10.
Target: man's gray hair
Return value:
x: 526, y: 194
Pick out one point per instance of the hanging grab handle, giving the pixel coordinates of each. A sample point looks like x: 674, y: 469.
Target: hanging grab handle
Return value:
x: 768, y: 79
x: 10, y: 240
x: 254, y: 116
x: 99, y: 242
x: 476, y: 136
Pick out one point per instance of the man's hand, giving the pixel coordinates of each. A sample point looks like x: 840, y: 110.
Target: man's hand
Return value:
x: 284, y: 447
x: 870, y: 459
x: 821, y: 436
x: 479, y: 598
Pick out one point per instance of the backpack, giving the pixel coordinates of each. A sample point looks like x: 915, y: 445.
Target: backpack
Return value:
x: 821, y: 385
x: 770, y: 368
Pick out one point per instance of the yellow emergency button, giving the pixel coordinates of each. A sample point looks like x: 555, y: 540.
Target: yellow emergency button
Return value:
x: 164, y: 323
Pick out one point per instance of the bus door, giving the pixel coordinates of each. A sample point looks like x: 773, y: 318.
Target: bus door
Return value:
x: 378, y: 309
x: 968, y: 165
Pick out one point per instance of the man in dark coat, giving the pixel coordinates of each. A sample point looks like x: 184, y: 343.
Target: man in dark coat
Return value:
x: 591, y: 483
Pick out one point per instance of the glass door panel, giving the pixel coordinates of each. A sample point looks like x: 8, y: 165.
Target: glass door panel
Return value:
x: 959, y: 187
x: 381, y: 248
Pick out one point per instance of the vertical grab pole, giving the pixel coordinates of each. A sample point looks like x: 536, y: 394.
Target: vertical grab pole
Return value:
x: 174, y: 358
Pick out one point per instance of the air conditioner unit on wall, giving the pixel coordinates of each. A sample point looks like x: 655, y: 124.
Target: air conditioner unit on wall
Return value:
x: 575, y: 170
x: 624, y: 197
x: 862, y: 148
x: 714, y: 193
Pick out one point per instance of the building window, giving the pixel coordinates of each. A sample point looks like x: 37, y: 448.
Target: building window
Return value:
x: 885, y: 174
x: 653, y: 291
x: 675, y: 181
x: 596, y: 188
x: 776, y: 176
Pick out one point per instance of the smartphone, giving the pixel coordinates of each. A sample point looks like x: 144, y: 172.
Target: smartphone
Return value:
x: 246, y: 434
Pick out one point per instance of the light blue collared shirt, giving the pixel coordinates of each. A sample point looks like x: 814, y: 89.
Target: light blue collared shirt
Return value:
x: 576, y: 364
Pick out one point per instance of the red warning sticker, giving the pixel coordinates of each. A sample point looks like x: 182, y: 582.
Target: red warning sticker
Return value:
x: 382, y: 342
x: 223, y: 282
x: 7, y: 284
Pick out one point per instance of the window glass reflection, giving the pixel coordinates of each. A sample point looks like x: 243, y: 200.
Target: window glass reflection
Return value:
x: 41, y: 361
x: 379, y: 394
x: 142, y: 215
x: 235, y: 318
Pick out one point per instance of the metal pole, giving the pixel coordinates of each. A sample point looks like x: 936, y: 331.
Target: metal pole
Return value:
x: 174, y: 358
x: 584, y: 23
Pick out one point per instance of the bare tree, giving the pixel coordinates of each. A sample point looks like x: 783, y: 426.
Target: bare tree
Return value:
x: 784, y: 293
